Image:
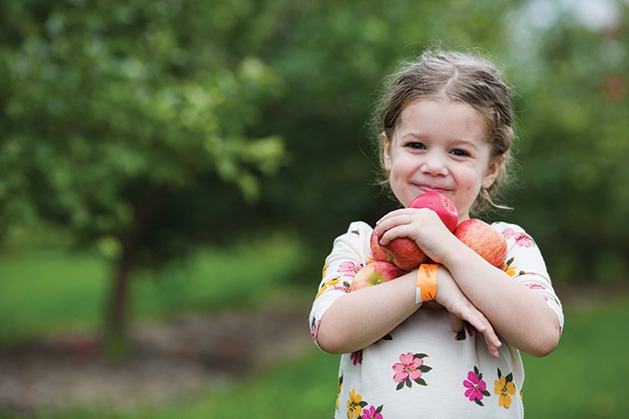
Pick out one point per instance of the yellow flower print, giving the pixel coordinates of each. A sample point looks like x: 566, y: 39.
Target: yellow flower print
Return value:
x: 505, y: 388
x: 339, y: 392
x: 508, y: 268
x: 331, y: 283
x: 325, y: 268
x: 355, y: 405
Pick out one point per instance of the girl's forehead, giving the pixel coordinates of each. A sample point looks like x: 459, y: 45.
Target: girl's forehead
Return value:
x: 441, y: 114
x: 439, y: 100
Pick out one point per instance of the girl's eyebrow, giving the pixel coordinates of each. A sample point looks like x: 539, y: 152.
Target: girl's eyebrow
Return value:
x: 415, y: 135
x: 458, y: 142
x: 467, y: 143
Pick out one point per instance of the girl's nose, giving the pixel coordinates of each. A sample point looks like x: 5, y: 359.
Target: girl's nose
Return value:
x: 434, y: 165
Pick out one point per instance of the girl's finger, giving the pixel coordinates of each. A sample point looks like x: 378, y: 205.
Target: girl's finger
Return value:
x: 456, y: 323
x: 481, y: 324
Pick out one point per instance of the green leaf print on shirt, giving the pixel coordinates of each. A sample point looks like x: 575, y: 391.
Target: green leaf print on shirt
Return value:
x: 468, y: 329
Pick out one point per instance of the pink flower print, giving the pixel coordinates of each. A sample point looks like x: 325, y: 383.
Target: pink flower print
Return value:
x: 357, y: 357
x: 349, y: 268
x: 521, y: 238
x: 509, y: 233
x: 534, y: 286
x: 314, y: 330
x: 410, y: 368
x: 476, y: 387
x: 372, y: 413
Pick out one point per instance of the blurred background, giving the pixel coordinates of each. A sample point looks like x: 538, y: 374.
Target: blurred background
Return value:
x: 173, y: 173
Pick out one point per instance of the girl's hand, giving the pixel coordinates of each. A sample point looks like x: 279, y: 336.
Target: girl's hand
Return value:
x: 421, y: 225
x: 424, y: 227
x: 450, y: 296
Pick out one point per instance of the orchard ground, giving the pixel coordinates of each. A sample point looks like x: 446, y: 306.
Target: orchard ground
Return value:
x: 175, y: 359
x: 169, y: 361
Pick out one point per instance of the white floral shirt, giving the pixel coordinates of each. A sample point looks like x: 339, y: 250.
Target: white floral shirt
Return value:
x: 422, y: 369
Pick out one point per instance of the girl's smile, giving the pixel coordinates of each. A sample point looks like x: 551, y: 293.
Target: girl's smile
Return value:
x: 441, y: 146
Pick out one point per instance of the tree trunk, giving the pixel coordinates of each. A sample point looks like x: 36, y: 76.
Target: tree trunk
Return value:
x: 146, y: 214
x: 118, y: 305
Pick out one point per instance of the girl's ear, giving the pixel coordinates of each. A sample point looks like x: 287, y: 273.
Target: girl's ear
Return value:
x: 386, y: 151
x: 493, y: 171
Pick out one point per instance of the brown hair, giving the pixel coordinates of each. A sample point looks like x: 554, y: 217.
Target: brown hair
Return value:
x: 458, y: 77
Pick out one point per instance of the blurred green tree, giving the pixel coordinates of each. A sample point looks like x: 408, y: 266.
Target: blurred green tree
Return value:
x: 572, y: 74
x: 570, y: 81
x: 122, y: 117
x: 333, y: 56
x: 118, y: 115
x: 130, y: 122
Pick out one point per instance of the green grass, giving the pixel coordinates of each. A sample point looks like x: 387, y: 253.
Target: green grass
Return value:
x: 46, y: 289
x: 586, y: 375
x: 43, y: 289
x: 583, y: 378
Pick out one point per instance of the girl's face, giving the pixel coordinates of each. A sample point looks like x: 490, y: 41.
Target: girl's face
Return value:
x: 440, y: 146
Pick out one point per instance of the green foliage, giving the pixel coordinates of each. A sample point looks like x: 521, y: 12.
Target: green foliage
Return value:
x: 571, y: 97
x: 113, y: 106
x: 574, y: 120
x: 116, y: 113
x: 333, y: 57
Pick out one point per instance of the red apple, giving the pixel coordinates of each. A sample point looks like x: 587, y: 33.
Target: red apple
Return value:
x: 483, y: 239
x: 404, y: 253
x: 375, y: 273
x: 440, y: 204
x: 377, y: 252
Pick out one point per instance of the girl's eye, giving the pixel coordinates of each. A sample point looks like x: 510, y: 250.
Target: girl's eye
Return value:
x: 460, y: 153
x: 416, y: 146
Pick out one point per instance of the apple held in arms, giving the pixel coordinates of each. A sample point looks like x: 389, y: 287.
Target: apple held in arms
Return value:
x: 404, y: 252
x: 375, y: 273
x: 483, y: 239
x: 440, y: 204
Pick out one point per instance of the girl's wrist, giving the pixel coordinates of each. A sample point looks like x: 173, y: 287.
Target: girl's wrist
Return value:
x: 426, y: 283
x: 459, y: 254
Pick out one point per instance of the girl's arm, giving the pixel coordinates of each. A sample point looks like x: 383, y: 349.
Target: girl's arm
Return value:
x: 518, y: 314
x: 521, y: 316
x: 375, y: 311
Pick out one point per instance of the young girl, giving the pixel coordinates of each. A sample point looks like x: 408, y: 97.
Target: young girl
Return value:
x: 446, y: 125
